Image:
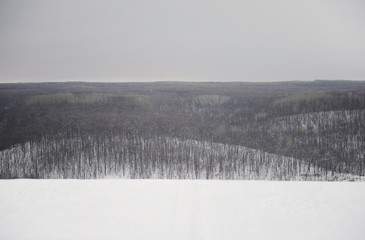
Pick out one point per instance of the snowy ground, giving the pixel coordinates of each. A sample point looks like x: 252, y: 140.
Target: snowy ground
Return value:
x: 166, y: 209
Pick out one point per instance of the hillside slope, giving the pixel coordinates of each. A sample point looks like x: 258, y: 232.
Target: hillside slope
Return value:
x: 319, y: 123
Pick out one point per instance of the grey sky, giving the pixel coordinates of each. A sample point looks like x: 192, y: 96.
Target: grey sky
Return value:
x: 190, y: 40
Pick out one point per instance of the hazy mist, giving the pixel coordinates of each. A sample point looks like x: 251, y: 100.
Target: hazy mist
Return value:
x: 181, y: 40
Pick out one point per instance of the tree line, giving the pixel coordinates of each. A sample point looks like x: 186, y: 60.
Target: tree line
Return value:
x: 131, y: 155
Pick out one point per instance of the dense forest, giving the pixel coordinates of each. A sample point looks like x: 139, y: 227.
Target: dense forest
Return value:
x: 179, y: 130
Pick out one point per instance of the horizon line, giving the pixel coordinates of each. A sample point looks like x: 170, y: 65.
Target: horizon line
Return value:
x: 178, y: 81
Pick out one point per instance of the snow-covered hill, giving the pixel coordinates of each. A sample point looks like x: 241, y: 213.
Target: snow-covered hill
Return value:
x: 180, y: 209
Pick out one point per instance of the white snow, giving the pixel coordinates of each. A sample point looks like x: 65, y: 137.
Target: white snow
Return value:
x: 176, y: 209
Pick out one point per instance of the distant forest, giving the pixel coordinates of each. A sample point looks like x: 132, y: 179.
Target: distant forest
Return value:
x: 181, y: 130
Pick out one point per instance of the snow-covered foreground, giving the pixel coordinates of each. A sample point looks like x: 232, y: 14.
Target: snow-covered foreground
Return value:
x: 173, y: 209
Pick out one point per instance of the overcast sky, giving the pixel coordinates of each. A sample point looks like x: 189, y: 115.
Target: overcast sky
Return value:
x: 188, y: 40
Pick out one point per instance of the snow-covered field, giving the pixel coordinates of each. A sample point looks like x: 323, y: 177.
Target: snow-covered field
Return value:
x: 173, y: 209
